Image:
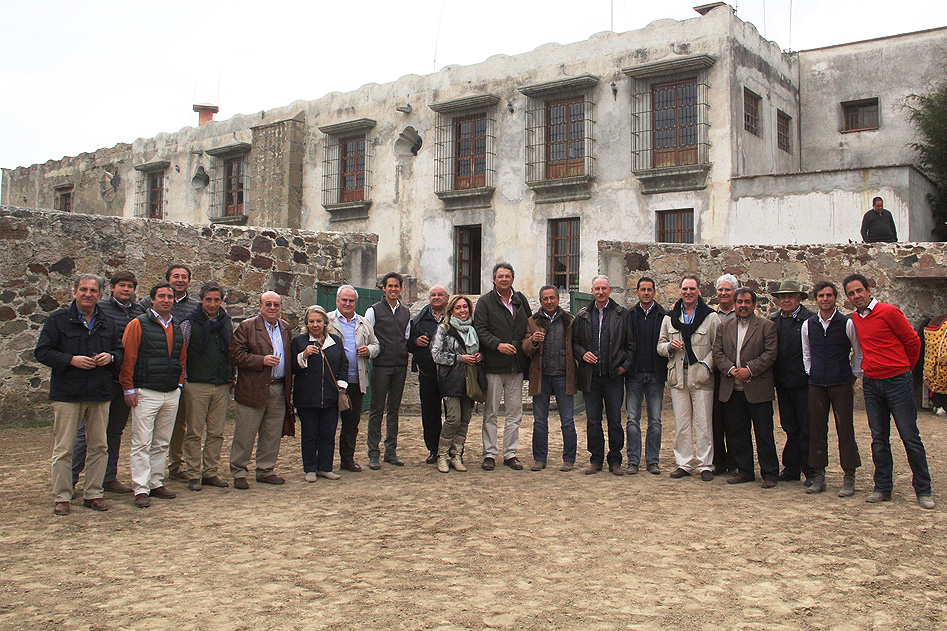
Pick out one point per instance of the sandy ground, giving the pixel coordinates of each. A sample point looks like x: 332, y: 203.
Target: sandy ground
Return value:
x: 409, y: 548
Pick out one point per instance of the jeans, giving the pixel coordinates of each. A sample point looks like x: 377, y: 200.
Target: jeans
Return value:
x: 650, y: 386
x: 317, y: 426
x: 606, y: 395
x: 553, y: 386
x: 885, y: 398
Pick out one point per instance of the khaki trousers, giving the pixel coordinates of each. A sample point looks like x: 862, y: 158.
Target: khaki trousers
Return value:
x: 266, y: 426
x: 509, y: 388
x: 694, y: 438
x: 152, y: 422
x: 65, y: 424
x: 206, y: 406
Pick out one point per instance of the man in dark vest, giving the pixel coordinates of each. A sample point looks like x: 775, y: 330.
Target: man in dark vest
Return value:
x: 178, y: 276
x: 792, y: 384
x: 390, y: 321
x: 828, y: 339
x: 500, y: 320
x: 423, y: 328
x: 152, y: 377
x: 80, y: 345
x: 207, y: 333
x: 121, y: 307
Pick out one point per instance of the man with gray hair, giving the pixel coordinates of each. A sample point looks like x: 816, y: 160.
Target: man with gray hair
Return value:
x: 81, y: 346
x: 360, y: 345
x: 605, y: 352
x: 420, y: 335
x: 723, y: 459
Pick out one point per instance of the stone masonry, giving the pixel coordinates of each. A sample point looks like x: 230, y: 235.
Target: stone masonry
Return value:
x: 912, y: 276
x: 41, y: 252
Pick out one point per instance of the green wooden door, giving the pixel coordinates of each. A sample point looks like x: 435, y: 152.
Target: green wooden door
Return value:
x: 325, y: 298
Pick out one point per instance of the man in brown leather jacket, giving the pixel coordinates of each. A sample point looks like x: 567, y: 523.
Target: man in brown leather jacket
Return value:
x: 260, y: 352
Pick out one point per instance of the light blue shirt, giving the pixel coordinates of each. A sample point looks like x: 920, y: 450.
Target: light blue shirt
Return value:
x: 348, y: 342
x: 276, y: 339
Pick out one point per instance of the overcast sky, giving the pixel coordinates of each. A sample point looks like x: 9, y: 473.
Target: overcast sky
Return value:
x: 77, y: 76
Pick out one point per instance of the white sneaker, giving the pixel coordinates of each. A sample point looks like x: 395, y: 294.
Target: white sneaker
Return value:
x: 311, y: 476
x: 329, y: 475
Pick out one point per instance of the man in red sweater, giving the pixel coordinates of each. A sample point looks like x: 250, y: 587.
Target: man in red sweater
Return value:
x: 890, y: 348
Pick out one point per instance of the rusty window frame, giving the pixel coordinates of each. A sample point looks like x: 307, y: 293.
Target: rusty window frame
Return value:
x: 565, y: 137
x: 675, y: 133
x: 676, y: 226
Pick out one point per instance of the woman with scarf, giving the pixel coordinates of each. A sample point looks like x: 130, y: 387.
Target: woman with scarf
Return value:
x: 455, y: 350
x: 318, y: 361
x: 687, y: 340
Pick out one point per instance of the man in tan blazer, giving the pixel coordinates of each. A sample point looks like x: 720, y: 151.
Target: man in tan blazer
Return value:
x: 259, y: 350
x: 744, y: 352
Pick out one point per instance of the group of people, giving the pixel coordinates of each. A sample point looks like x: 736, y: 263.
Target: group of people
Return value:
x: 171, y: 362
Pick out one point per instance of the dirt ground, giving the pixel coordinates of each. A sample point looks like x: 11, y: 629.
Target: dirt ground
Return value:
x: 410, y: 548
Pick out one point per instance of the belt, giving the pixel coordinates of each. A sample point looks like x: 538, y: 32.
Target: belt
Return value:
x: 274, y: 382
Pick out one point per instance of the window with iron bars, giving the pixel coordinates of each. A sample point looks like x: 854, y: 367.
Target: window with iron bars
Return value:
x: 784, y: 131
x: 860, y: 115
x: 151, y: 190
x: 751, y: 111
x: 467, y: 248
x: 564, y: 254
x: 230, y: 194
x: 346, y: 166
x: 465, y: 150
x: 670, y: 113
x: 559, y: 129
x: 676, y: 226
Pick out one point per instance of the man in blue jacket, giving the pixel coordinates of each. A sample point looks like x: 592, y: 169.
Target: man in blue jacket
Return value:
x: 80, y: 345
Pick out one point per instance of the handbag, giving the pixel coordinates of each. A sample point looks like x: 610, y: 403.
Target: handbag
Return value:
x: 473, y: 384
x: 345, y: 403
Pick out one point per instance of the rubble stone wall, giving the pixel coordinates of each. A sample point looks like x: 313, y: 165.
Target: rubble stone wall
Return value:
x: 42, y: 251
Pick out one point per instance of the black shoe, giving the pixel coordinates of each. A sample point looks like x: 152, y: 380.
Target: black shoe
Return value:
x: 513, y: 463
x: 680, y: 473
x: 489, y: 464
x: 395, y: 460
x: 373, y: 463
x: 787, y: 476
x: 431, y: 459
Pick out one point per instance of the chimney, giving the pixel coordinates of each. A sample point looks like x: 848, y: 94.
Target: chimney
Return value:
x: 205, y: 113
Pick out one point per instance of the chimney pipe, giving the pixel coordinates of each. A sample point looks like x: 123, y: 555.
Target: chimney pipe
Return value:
x: 205, y: 113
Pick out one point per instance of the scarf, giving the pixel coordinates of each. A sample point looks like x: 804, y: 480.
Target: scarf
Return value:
x: 208, y: 326
x: 701, y: 311
x: 467, y: 334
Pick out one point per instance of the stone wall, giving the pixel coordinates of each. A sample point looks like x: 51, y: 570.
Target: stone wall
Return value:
x: 41, y: 252
x: 912, y: 276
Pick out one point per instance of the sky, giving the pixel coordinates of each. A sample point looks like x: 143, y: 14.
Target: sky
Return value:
x: 77, y: 76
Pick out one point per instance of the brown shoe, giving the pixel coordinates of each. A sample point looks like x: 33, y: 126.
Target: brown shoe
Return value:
x: 61, y: 509
x: 241, y: 483
x: 567, y: 466
x: 116, y: 487
x: 538, y: 465
x: 680, y: 473
x: 707, y: 475
x: 739, y: 478
x: 96, y: 504
x: 177, y: 474
x: 214, y: 481
x: 593, y: 468
x: 768, y: 483
x: 194, y: 484
x: 350, y: 465
x: 162, y: 493
x: 270, y: 479
x: 513, y: 463
x: 615, y: 469
x: 142, y: 500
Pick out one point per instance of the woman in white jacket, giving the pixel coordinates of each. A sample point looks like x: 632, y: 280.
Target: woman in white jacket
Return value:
x: 687, y: 340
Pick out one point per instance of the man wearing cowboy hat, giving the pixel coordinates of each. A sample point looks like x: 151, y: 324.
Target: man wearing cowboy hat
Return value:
x: 792, y: 383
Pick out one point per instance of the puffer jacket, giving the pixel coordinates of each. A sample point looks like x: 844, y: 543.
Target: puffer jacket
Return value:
x: 446, y: 350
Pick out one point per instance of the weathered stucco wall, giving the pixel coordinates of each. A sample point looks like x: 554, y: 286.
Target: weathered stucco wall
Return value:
x: 41, y: 252
x: 912, y: 276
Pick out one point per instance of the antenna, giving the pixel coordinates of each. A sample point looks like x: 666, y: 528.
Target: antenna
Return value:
x: 437, y: 35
